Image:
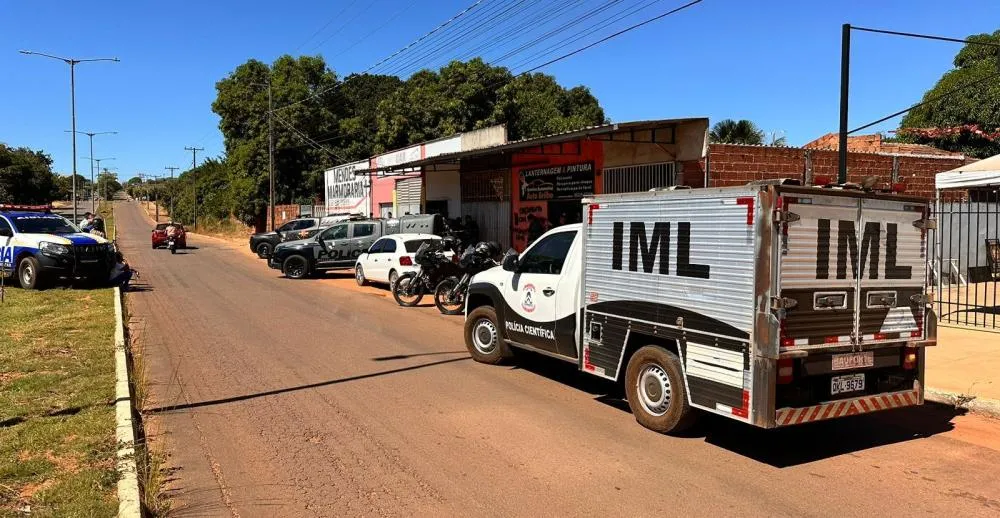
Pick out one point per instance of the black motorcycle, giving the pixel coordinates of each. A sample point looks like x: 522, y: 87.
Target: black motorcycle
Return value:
x: 449, y: 295
x: 434, y: 264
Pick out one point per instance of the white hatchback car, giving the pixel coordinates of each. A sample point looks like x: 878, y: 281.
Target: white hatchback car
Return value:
x: 390, y: 257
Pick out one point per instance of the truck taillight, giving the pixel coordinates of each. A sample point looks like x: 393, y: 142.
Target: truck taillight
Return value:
x: 786, y: 370
x: 785, y: 341
x: 405, y: 261
x: 909, y: 358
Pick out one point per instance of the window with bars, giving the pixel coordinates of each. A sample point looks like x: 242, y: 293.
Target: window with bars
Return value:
x: 638, y: 178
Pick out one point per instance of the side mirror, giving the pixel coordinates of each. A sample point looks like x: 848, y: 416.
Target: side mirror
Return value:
x: 6, y: 232
x: 510, y: 261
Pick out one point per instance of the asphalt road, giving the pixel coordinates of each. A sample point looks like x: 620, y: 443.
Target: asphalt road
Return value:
x: 275, y: 397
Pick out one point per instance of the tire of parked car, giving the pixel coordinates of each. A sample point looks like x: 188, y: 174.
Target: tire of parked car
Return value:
x: 654, y: 386
x: 263, y: 250
x: 482, y: 337
x: 359, y: 275
x: 295, y: 267
x: 28, y: 271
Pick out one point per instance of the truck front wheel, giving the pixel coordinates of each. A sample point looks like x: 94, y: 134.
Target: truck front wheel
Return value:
x: 27, y: 273
x: 482, y: 337
x: 295, y: 267
x: 654, y: 386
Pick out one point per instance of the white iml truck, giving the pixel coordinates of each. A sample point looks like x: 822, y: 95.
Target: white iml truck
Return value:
x: 770, y: 304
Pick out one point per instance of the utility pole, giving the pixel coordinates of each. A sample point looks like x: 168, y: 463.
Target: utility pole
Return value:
x: 270, y: 151
x: 72, y: 93
x: 172, y: 169
x: 845, y: 81
x: 194, y: 183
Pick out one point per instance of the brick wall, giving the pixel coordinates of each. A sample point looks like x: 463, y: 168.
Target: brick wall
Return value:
x: 282, y: 214
x: 731, y: 164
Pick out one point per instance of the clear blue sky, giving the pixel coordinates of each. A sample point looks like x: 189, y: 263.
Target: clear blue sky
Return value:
x: 775, y: 62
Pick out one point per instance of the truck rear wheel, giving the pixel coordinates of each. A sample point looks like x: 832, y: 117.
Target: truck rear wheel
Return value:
x: 482, y: 337
x: 654, y: 386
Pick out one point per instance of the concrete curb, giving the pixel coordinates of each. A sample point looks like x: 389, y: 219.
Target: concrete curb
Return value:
x: 987, y: 407
x: 129, y: 505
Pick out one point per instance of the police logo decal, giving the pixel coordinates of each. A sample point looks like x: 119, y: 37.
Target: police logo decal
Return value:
x: 528, y: 302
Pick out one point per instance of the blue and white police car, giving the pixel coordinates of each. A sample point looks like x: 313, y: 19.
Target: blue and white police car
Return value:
x: 39, y: 247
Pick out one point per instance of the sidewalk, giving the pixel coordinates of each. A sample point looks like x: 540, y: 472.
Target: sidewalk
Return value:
x: 965, y: 363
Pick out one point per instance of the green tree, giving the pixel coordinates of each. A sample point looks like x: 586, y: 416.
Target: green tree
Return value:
x: 361, y: 94
x: 26, y: 176
x: 463, y: 96
x: 729, y: 131
x: 969, y: 120
x: 301, y: 111
x: 107, y: 184
x: 534, y: 105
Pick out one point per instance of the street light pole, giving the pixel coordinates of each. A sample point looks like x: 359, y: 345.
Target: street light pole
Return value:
x: 93, y: 193
x: 72, y: 88
x: 172, y: 169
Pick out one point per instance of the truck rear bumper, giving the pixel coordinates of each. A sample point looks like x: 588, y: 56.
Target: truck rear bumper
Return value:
x: 847, y: 407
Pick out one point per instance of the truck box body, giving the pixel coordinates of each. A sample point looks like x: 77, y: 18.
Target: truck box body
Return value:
x: 786, y: 304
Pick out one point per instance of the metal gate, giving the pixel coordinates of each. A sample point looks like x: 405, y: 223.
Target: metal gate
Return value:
x: 638, y: 178
x: 486, y: 199
x: 966, y: 261
x: 408, y: 196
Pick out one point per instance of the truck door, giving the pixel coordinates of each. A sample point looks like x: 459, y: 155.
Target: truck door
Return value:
x: 362, y: 237
x: 892, y: 271
x: 6, y: 250
x: 818, y: 246
x: 335, y: 246
x: 531, y: 313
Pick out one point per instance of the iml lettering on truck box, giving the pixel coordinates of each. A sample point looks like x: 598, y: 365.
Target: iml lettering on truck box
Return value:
x: 847, y: 246
x: 639, y: 246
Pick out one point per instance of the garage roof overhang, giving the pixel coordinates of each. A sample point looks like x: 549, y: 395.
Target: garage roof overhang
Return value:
x: 662, y: 131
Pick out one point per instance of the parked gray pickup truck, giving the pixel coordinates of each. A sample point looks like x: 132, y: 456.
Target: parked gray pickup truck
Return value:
x: 339, y: 246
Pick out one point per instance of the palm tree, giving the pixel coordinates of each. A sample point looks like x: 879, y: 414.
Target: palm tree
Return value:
x: 743, y: 131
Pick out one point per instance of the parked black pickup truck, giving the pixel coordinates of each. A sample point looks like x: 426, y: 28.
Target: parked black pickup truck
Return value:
x: 263, y: 243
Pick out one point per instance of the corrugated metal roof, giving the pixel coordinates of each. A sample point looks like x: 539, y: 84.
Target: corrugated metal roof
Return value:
x: 538, y: 141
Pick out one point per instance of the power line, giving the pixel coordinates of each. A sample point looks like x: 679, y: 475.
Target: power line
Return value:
x: 926, y: 36
x: 615, y: 35
x: 338, y: 30
x: 375, y: 30
x: 928, y: 101
x: 439, y: 27
x: 600, y: 25
x: 325, y: 25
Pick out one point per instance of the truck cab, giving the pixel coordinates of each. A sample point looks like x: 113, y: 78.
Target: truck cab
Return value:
x: 772, y: 305
x: 39, y: 247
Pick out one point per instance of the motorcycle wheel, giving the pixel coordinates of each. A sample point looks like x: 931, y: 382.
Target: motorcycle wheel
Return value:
x: 173, y: 249
x: 407, y: 291
x: 448, y: 302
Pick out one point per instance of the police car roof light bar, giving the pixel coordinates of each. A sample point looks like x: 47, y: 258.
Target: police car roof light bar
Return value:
x: 26, y: 208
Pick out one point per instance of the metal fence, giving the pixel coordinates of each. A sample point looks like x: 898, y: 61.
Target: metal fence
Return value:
x: 965, y: 263
x: 638, y: 178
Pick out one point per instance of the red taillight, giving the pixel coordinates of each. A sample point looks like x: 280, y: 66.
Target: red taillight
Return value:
x: 831, y: 339
x: 786, y: 370
x: 909, y: 358
x: 787, y: 342
x: 881, y: 336
x: 405, y: 261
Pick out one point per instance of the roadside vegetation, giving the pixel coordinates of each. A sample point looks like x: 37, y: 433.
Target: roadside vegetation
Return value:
x: 57, y: 419
x: 57, y: 416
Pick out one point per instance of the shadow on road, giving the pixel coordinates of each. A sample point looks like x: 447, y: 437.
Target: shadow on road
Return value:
x: 781, y: 447
x: 406, y: 356
x: 234, y: 399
